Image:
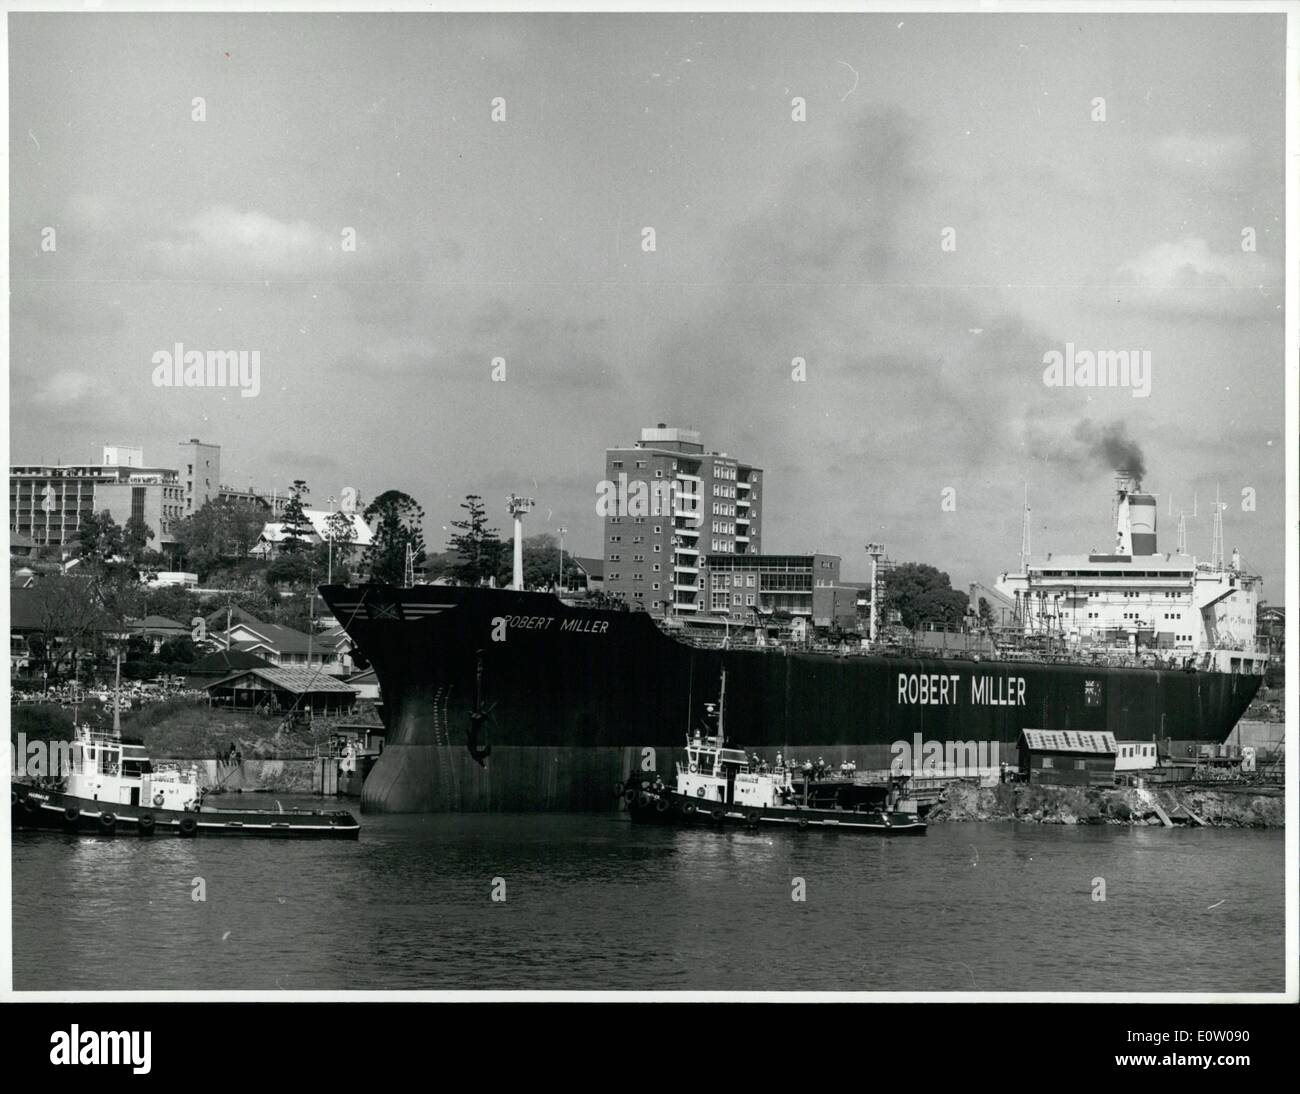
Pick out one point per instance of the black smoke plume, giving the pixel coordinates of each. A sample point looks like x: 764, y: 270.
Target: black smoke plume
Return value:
x: 1113, y: 447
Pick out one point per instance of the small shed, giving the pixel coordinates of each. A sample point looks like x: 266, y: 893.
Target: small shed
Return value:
x: 282, y: 690
x: 1135, y: 756
x: 1067, y: 757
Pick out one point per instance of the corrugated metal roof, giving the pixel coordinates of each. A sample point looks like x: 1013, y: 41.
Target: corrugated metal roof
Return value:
x: 1068, y: 740
x: 297, y: 680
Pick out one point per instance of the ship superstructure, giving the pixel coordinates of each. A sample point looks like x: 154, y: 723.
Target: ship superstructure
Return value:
x: 1164, y: 608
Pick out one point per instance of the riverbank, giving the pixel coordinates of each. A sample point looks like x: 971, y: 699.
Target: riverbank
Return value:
x: 1245, y: 808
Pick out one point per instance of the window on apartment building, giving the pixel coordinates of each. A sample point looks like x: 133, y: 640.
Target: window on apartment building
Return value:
x: 738, y: 581
x: 638, y: 558
x: 613, y: 577
x: 615, y: 539
x: 655, y: 568
x: 735, y: 600
x: 654, y: 585
x: 659, y: 472
x: 615, y: 558
x: 658, y: 529
x: 640, y: 464
x: 657, y: 548
x: 749, y: 581
x: 749, y: 600
x: 616, y: 463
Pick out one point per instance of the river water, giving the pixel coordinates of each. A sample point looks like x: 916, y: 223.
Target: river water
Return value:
x: 594, y: 902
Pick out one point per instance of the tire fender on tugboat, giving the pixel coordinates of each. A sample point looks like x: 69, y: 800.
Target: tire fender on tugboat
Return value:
x: 189, y: 826
x: 71, y: 816
x: 689, y: 809
x: 107, y: 823
x: 31, y: 805
x: 803, y: 823
x: 144, y: 824
x: 661, y: 805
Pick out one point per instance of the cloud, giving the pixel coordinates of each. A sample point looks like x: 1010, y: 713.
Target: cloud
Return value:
x: 223, y: 242
x: 1187, y: 277
x: 69, y: 387
x: 1213, y: 158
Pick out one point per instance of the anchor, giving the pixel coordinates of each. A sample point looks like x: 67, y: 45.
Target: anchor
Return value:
x: 476, y: 718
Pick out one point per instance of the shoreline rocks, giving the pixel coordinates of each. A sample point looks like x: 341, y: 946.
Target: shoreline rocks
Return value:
x: 1106, y: 805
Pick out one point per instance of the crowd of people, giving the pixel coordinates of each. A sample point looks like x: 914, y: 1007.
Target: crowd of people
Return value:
x: 810, y: 769
x: 135, y: 694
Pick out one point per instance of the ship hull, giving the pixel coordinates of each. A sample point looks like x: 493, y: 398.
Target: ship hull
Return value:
x: 672, y: 808
x: 579, y: 699
x: 55, y: 811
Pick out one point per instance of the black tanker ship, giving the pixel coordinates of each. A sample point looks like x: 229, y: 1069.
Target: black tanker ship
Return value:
x: 503, y: 700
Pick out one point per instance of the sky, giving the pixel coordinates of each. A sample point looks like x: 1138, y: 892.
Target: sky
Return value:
x: 964, y: 195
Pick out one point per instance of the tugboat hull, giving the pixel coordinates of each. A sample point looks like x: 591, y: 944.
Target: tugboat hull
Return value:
x: 53, y: 810
x: 669, y: 807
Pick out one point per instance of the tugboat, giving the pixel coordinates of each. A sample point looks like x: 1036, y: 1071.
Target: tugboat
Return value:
x: 720, y: 785
x: 112, y: 789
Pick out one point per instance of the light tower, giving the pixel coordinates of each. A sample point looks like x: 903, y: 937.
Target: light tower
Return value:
x: 517, y: 507
x: 876, y: 551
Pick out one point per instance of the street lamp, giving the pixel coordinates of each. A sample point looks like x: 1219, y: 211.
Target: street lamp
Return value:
x: 559, y: 582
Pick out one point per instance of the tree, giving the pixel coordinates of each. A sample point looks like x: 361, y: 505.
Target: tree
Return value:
x: 922, y: 594
x: 293, y: 521
x: 335, y: 551
x: 293, y: 568
x: 985, y: 614
x: 136, y: 535
x: 100, y: 538
x: 477, y: 547
x: 68, y: 616
x: 541, y: 562
x: 397, y: 523
x: 219, y: 530
x: 178, y: 651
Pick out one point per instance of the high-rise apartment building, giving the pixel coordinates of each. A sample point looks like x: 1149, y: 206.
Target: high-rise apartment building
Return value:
x: 672, y: 503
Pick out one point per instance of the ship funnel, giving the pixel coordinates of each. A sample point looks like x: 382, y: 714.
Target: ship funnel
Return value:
x: 1135, y: 517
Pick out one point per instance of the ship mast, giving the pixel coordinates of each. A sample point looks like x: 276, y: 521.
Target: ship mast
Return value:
x: 1216, y: 550
x: 1024, y: 534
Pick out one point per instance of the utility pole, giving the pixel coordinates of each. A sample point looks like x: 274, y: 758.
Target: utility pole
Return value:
x: 559, y: 582
x: 329, y: 551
